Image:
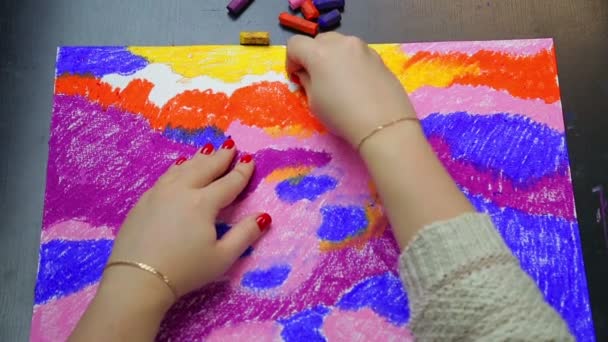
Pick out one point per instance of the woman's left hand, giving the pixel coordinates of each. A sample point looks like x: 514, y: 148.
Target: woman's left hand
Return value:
x: 172, y: 227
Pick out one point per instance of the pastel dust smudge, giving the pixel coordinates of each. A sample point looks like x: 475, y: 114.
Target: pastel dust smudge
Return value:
x: 327, y: 270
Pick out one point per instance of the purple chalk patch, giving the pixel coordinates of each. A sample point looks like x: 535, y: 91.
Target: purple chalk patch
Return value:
x: 330, y: 19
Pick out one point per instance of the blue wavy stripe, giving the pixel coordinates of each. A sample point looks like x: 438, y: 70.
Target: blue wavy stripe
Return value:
x: 514, y: 145
x: 549, y: 250
x: 98, y: 61
x: 67, y: 267
x: 198, y: 137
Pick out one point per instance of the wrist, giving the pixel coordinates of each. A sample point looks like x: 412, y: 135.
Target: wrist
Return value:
x: 129, y: 305
x: 133, y: 290
x: 392, y: 141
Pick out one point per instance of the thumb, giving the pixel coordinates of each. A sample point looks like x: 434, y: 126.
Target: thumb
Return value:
x: 244, y: 234
x: 302, y: 78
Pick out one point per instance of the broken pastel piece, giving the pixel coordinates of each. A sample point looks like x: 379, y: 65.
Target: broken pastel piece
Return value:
x: 328, y: 5
x: 330, y: 19
x: 309, y: 10
x: 299, y: 24
x: 235, y: 7
x: 295, y: 4
x: 255, y: 38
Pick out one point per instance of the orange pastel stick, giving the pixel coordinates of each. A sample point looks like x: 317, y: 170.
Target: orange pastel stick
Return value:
x: 298, y: 24
x: 309, y: 10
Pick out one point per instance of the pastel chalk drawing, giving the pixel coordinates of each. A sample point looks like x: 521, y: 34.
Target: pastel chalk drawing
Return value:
x: 327, y: 270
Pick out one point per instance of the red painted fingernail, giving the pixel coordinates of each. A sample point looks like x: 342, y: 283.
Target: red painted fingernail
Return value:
x: 228, y: 144
x: 246, y: 159
x: 263, y: 221
x: 180, y: 160
x: 207, y: 149
x: 295, y: 79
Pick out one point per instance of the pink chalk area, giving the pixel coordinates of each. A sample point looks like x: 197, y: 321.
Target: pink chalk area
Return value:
x: 362, y: 325
x: 55, y: 320
x: 345, y: 162
x: 75, y: 230
x: 484, y: 100
x: 247, y: 331
x: 292, y: 238
x: 516, y: 47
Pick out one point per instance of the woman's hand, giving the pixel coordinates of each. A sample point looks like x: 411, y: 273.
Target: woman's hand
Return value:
x: 351, y: 90
x: 348, y: 86
x: 172, y: 229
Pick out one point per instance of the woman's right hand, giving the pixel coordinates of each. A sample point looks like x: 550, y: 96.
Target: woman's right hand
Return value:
x: 348, y: 86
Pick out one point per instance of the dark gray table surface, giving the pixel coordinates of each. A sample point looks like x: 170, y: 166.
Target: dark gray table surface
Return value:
x: 30, y: 32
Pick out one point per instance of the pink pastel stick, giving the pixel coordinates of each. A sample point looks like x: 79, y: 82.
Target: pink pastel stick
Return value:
x: 295, y: 4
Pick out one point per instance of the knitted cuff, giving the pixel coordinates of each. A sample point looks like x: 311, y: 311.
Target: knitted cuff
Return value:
x: 444, y: 249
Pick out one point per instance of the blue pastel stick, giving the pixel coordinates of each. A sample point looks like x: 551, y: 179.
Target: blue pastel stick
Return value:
x: 328, y: 5
x: 330, y: 19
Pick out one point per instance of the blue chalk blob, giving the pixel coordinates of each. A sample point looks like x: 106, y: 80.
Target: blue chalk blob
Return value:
x: 549, y: 250
x: 221, y: 229
x: 384, y: 294
x: 266, y: 279
x: 305, y: 187
x: 198, y: 137
x: 304, y: 326
x: 530, y: 151
x: 98, y: 61
x: 341, y: 222
x: 67, y: 267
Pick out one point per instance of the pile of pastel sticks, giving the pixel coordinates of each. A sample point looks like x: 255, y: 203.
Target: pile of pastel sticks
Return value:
x: 318, y: 15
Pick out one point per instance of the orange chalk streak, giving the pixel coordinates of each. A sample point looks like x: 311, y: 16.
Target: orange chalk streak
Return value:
x: 288, y: 172
x: 265, y: 104
x: 272, y: 104
x: 525, y: 77
x: 194, y: 109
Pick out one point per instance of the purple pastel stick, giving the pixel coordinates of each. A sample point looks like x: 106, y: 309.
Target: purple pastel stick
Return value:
x: 327, y: 5
x: 237, y: 6
x: 330, y: 19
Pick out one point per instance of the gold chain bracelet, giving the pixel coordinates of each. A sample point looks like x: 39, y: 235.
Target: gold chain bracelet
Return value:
x: 146, y: 268
x: 381, y: 127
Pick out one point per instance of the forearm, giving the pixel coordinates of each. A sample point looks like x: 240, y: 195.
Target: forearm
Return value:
x: 414, y: 187
x: 469, y: 286
x: 125, y: 308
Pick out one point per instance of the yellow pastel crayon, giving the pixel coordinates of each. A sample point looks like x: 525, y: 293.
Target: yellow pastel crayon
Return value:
x: 255, y: 38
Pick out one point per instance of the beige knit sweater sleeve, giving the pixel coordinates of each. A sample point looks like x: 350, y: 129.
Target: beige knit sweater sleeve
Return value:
x: 463, y: 283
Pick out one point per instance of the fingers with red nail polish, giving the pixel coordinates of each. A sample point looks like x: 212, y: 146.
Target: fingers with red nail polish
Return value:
x: 228, y: 144
x: 246, y: 159
x: 263, y: 221
x: 207, y: 149
x: 244, y: 234
x: 180, y: 160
